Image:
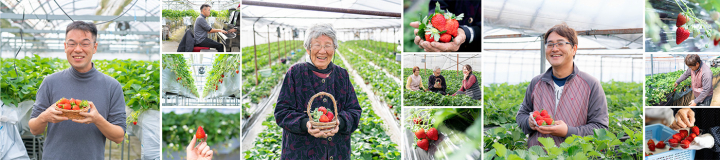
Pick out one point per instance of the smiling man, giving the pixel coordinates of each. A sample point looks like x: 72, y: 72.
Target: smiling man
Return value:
x: 574, y: 99
x: 79, y: 138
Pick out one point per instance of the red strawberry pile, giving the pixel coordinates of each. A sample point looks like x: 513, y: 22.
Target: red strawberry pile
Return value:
x: 322, y: 114
x: 683, y: 138
x: 542, y: 118
x: 72, y: 104
x: 425, y: 137
x: 443, y: 26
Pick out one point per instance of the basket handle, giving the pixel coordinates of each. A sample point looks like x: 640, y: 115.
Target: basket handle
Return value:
x: 309, y: 105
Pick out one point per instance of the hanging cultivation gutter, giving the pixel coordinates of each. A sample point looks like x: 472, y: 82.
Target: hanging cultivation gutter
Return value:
x: 326, y: 9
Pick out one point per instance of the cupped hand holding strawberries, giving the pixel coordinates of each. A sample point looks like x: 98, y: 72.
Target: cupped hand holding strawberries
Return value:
x: 92, y: 116
x: 52, y: 115
x: 439, y: 32
x: 549, y: 126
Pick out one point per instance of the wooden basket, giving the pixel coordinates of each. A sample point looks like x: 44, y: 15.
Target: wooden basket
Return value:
x: 322, y: 125
x: 72, y: 114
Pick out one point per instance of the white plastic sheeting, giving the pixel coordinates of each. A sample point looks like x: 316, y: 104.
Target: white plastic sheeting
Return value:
x: 170, y: 85
x: 11, y: 144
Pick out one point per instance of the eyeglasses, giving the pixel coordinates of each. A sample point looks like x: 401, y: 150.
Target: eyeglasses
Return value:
x: 559, y: 44
x: 83, y: 44
x: 328, y: 48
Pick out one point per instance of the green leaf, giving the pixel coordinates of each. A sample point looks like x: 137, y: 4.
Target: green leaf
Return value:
x: 500, y: 149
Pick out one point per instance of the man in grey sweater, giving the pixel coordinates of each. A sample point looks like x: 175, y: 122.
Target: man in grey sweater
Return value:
x: 202, y: 28
x: 700, y: 80
x: 79, y: 138
x: 574, y: 99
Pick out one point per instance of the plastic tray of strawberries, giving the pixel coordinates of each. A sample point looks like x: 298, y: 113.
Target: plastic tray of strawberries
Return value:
x: 532, y: 119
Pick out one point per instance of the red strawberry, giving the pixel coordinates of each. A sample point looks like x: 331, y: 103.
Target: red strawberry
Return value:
x: 135, y: 123
x: 324, y: 118
x: 715, y: 42
x: 322, y: 109
x: 549, y: 121
x: 540, y: 122
x: 681, y: 19
x: 438, y: 21
x: 651, y: 145
x: 536, y: 112
x: 200, y: 134
x: 67, y: 106
x: 452, y: 27
x: 660, y: 144
x: 684, y: 144
x: 693, y: 135
x: 220, y: 80
x: 237, y: 71
x: 222, y: 75
x: 75, y: 107
x: 63, y: 101
x: 544, y: 114
x: 177, y: 79
x: 696, y: 129
x: 330, y: 115
x: 684, y: 133
x: 690, y: 138
x: 77, y: 102
x: 432, y: 134
x: 677, y: 136
x: 420, y: 133
x: 445, y: 37
x: 60, y: 105
x: 681, y: 35
x: 429, y: 38
x: 423, y: 144
x: 674, y: 142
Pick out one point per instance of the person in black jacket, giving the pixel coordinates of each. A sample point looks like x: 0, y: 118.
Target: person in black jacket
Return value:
x: 436, y: 82
x: 468, y: 39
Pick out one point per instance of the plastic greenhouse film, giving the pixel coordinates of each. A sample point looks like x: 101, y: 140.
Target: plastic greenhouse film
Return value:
x: 150, y: 136
x: 11, y: 145
x: 24, y: 113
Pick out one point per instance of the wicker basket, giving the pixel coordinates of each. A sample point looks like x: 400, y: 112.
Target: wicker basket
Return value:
x: 322, y: 125
x: 72, y: 114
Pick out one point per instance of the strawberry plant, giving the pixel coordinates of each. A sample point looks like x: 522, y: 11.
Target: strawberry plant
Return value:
x: 224, y: 64
x: 428, y: 125
x: 265, y: 81
x: 176, y: 63
x: 453, y: 80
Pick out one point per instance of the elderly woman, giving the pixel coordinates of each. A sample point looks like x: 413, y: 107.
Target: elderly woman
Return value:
x: 436, y: 82
x: 414, y: 81
x: 469, y: 86
x: 302, y: 81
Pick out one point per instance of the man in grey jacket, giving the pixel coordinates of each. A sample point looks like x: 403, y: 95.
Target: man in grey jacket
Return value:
x: 202, y: 28
x: 700, y: 79
x: 79, y: 138
x: 574, y: 99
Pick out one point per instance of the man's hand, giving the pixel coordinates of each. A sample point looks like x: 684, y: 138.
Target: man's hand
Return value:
x: 559, y: 130
x: 201, y: 152
x: 90, y: 117
x: 51, y: 115
x: 223, y: 31
x: 683, y: 118
x: 437, y: 46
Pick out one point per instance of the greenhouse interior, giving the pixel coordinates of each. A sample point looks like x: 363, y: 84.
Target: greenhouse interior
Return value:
x: 368, y: 33
x: 201, y: 80
x: 608, y: 50
x: 663, y: 70
x: 451, y: 66
x: 32, y: 35
x: 178, y: 17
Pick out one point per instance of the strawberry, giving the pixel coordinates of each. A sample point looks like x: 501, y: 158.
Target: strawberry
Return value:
x: 544, y: 114
x: 681, y: 35
x: 684, y: 133
x: 221, y: 81
x: 324, y: 118
x: 536, y: 112
x: 651, y: 145
x: 237, y: 71
x: 452, y: 26
x: 432, y: 134
x: 660, y: 144
x: 693, y: 135
x: 75, y: 107
x: 549, y: 121
x: 222, y: 75
x: 540, y: 122
x: 715, y: 42
x: 60, y: 105
x: 322, y: 109
x: 684, y: 144
x: 445, y: 37
x: 696, y: 129
x: 677, y: 136
x: 423, y: 144
x: 438, y: 21
x: 62, y: 101
x: 681, y: 19
x: 429, y: 37
x: 330, y: 115
x: 420, y: 133
x: 67, y: 106
x: 178, y: 79
x: 135, y: 123
x: 200, y: 134
x: 674, y: 142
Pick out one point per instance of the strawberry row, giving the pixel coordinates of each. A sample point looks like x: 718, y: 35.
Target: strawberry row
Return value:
x: 381, y: 84
x: 390, y: 65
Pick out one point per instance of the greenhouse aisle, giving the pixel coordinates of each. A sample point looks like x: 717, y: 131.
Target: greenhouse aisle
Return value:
x: 392, y: 128
x: 376, y: 66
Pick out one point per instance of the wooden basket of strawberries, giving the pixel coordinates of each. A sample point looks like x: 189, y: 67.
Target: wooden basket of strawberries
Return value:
x: 321, y: 118
x: 71, y: 108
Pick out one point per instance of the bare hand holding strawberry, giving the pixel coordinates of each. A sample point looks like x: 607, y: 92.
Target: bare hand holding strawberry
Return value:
x: 560, y: 129
x: 201, y: 152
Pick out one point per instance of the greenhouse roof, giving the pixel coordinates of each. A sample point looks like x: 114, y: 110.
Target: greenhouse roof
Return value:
x: 304, y: 18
